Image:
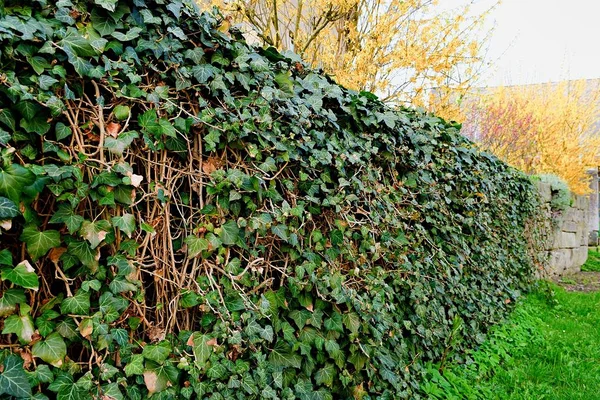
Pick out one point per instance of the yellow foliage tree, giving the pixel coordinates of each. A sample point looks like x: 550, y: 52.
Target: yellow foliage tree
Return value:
x: 547, y: 128
x: 406, y: 51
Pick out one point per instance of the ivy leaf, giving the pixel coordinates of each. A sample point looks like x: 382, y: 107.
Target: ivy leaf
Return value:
x: 158, y: 378
x: 62, y: 131
x: 103, y: 24
x: 280, y: 231
x: 196, y: 245
x: 135, y: 366
x: 78, y: 44
x: 38, y: 243
x: 126, y: 224
x: 13, y: 379
x: 94, y: 232
x: 66, y: 215
x: 6, y: 257
x: 325, y: 375
x: 21, y: 325
x: 351, y: 321
x: 203, y: 72
x: 334, y: 323
x: 52, y: 350
x: 85, y: 254
x: 13, y: 179
x: 202, y: 350
x: 9, y: 301
x: 230, y: 232
x: 22, y: 275
x: 282, y: 356
x: 107, y: 4
x: 78, y: 304
x: 121, y: 143
x: 8, y: 209
x: 157, y: 352
x: 130, y: 35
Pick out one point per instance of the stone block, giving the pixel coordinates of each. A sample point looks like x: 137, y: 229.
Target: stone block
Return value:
x: 545, y: 191
x: 572, y: 214
x: 593, y: 238
x: 558, y: 261
x: 570, y: 226
x: 579, y: 257
x: 569, y: 240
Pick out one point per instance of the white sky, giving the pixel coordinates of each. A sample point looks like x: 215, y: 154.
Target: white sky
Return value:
x: 542, y: 40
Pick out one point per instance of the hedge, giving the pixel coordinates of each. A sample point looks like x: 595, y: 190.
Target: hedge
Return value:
x: 184, y: 215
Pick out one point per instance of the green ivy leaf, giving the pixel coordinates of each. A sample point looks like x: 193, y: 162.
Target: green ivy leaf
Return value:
x: 157, y: 352
x: 158, y: 377
x: 202, y: 350
x: 9, y: 301
x: 78, y: 304
x: 85, y: 254
x: 21, y: 325
x: 130, y: 35
x: 230, y: 232
x: 94, y: 231
x: 103, y: 24
x: 107, y: 4
x: 8, y: 209
x: 325, y: 375
x: 66, y: 215
x: 135, y: 366
x: 125, y: 223
x: 62, y: 131
x: 22, y: 275
x: 79, y: 45
x: 38, y: 243
x: 281, y: 231
x: 119, y: 144
x: 13, y: 179
x: 52, y: 350
x: 13, y: 379
x: 195, y: 245
x: 334, y: 323
x: 351, y: 321
x: 283, y: 356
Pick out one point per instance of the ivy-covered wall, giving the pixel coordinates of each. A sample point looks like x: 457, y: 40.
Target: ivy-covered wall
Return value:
x: 186, y: 216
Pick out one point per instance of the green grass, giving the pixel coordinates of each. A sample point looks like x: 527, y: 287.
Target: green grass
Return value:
x: 548, y: 349
x: 593, y: 262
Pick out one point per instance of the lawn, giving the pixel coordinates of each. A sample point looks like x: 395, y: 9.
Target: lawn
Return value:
x: 593, y: 262
x: 548, y: 349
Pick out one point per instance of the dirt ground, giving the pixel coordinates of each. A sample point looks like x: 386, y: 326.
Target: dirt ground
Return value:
x: 580, y: 281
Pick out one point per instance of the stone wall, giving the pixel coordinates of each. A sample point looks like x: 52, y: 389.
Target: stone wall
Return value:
x: 568, y: 232
x: 594, y: 215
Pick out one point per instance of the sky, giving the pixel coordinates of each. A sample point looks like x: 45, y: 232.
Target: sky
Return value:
x: 542, y: 40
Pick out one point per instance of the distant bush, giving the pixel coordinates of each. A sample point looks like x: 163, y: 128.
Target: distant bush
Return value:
x: 185, y: 216
x: 561, y: 195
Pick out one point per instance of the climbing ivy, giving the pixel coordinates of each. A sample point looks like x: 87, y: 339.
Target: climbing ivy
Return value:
x: 186, y: 216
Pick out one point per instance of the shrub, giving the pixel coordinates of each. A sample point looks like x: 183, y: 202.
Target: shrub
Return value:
x: 561, y: 195
x: 185, y: 216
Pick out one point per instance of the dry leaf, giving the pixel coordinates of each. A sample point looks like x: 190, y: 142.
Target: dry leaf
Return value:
x: 27, y: 358
x: 6, y: 224
x: 210, y: 165
x: 212, y: 342
x: 151, y: 381
x: 113, y: 129
x: 156, y: 333
x: 56, y: 253
x: 136, y: 179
